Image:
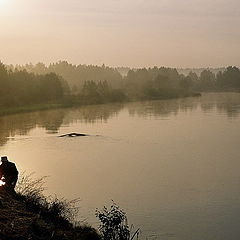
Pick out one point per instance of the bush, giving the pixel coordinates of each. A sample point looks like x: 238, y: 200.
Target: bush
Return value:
x: 114, y: 224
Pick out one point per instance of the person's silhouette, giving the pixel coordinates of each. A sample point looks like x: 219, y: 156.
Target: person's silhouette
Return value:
x: 8, y: 173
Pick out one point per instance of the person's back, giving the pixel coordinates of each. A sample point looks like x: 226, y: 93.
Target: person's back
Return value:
x: 9, y: 169
x: 9, y: 172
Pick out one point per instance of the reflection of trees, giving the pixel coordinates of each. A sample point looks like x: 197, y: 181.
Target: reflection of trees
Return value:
x: 93, y: 113
x: 51, y: 120
x: 224, y: 103
x: 230, y: 104
x: 232, y: 111
x: 162, y: 108
x: 227, y: 103
x: 21, y: 124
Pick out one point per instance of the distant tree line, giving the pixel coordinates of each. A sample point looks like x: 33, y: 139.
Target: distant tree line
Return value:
x: 155, y: 83
x: 19, y: 88
x: 70, y: 84
x: 98, y: 92
x: 186, y: 71
x: 226, y: 80
x: 76, y: 75
x: 100, y: 84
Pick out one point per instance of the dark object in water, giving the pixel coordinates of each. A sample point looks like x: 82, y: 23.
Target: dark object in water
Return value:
x: 196, y: 94
x: 74, y: 135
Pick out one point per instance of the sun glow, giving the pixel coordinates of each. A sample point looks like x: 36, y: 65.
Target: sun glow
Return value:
x: 4, y: 5
x: 3, y: 2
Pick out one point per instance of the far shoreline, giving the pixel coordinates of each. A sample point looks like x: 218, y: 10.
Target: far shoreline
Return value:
x: 51, y: 106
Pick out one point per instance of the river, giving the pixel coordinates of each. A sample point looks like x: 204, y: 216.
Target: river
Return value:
x: 172, y: 165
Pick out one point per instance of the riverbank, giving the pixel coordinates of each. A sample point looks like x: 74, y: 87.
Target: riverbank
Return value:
x: 19, y: 221
x: 29, y: 108
x: 71, y: 104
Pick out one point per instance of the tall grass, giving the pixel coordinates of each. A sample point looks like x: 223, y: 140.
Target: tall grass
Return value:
x: 59, y: 211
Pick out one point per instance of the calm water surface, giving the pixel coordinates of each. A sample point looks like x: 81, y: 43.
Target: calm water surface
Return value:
x: 173, y: 165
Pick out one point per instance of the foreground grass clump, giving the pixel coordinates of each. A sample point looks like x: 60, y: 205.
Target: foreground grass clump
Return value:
x: 29, y: 215
x: 114, y: 224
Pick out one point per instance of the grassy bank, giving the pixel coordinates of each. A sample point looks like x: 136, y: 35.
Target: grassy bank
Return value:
x: 28, y: 214
x: 20, y: 221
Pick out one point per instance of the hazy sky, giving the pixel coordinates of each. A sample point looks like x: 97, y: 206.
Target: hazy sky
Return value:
x: 136, y: 33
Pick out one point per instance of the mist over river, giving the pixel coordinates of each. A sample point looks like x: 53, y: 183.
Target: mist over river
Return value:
x: 172, y: 165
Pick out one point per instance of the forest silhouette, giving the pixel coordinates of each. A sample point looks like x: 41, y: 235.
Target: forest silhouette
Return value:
x: 64, y: 84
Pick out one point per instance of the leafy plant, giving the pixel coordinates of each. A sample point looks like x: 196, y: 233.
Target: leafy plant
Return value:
x: 114, y: 224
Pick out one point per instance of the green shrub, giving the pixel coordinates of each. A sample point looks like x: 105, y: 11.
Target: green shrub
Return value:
x: 114, y: 224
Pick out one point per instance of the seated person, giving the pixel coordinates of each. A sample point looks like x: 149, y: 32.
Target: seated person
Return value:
x: 8, y: 173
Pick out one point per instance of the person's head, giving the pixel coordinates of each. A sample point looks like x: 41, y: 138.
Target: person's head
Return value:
x: 4, y: 159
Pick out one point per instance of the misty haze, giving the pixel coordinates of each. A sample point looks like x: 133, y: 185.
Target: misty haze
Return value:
x: 119, y: 120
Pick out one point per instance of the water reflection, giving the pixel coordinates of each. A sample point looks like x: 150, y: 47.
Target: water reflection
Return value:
x: 163, y: 108
x: 93, y: 113
x: 52, y: 120
x: 223, y: 103
x: 21, y: 124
